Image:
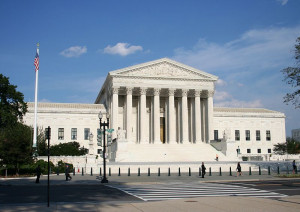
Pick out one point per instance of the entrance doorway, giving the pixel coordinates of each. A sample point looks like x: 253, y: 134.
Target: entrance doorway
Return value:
x: 162, y: 130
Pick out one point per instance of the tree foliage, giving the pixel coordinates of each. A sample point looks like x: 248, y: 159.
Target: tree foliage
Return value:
x: 292, y: 77
x: 16, y: 145
x: 70, y: 149
x: 291, y: 147
x: 12, y: 105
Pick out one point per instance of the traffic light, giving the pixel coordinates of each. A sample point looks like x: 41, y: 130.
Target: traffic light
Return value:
x: 108, y: 139
x: 99, y: 138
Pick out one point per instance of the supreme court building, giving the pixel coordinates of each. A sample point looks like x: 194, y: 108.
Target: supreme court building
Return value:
x: 163, y: 111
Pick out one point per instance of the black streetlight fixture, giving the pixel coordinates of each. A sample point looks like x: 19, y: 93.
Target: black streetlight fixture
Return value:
x: 103, y: 124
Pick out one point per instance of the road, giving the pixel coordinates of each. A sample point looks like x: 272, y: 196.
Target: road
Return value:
x: 37, y: 193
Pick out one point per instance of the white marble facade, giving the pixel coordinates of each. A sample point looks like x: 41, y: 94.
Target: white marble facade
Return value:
x: 166, y: 108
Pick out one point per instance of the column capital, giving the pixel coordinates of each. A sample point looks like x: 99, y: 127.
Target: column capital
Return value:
x: 210, y: 93
x: 171, y: 91
x: 156, y: 91
x: 143, y: 91
x: 115, y: 90
x: 198, y: 93
x: 129, y: 90
x: 184, y: 92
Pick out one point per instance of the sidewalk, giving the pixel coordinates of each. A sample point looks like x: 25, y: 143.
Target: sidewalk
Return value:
x: 144, y: 178
x: 234, y: 203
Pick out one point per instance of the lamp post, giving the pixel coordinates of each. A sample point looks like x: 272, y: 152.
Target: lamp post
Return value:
x: 103, y: 124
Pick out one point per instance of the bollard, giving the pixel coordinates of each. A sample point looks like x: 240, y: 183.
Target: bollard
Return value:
x: 73, y: 171
x: 129, y: 171
x: 109, y: 172
x: 100, y: 172
x: 82, y: 172
x: 179, y: 171
x: 209, y: 171
x: 230, y: 173
x: 189, y: 171
x: 220, y: 171
x: 199, y: 171
x: 91, y: 171
x: 250, y: 172
x: 169, y: 172
x: 269, y: 170
x: 119, y: 172
x: 278, y: 171
x: 158, y: 171
x: 148, y: 171
x: 259, y: 171
x: 139, y: 172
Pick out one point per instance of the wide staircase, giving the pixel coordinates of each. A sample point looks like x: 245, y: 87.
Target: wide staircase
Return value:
x: 131, y: 152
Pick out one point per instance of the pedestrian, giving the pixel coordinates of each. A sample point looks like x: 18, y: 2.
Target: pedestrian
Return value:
x: 294, y: 167
x: 203, y: 168
x: 239, y: 170
x: 67, y: 173
x: 217, y: 157
x: 38, y: 174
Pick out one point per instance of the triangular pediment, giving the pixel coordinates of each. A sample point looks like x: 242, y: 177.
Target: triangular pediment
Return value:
x: 163, y: 68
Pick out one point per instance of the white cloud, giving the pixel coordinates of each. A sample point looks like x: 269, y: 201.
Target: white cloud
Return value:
x: 122, y: 49
x: 74, y: 51
x: 283, y: 2
x: 221, y: 82
x: 263, y: 48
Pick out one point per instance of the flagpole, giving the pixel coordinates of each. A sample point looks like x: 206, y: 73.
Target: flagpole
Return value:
x: 36, y: 96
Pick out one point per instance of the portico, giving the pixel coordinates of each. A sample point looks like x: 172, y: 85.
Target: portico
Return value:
x: 160, y: 102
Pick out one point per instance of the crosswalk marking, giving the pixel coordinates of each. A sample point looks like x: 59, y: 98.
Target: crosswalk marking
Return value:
x: 156, y: 192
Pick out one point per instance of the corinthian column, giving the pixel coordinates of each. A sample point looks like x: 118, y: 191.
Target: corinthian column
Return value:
x: 128, y: 113
x: 142, y: 120
x: 210, y: 115
x: 115, y: 109
x: 171, y: 117
x: 156, y: 116
x: 184, y: 117
x: 197, y: 117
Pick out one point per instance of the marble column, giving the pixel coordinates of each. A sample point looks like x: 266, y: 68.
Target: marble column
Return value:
x: 171, y: 117
x: 184, y: 117
x: 115, y: 110
x: 210, y: 115
x: 142, y: 114
x: 128, y: 113
x: 197, y: 116
x: 156, y: 116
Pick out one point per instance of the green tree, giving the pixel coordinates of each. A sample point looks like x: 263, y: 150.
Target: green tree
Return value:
x: 291, y: 146
x: 292, y: 77
x: 16, y: 145
x: 70, y: 148
x: 12, y: 105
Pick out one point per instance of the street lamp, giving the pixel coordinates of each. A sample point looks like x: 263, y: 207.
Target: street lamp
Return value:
x: 103, y: 124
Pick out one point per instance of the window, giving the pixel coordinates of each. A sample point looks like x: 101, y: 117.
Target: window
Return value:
x: 247, y: 135
x: 99, y: 151
x: 216, y: 136
x: 74, y: 133
x: 258, y: 150
x: 258, y: 135
x: 60, y: 133
x: 268, y: 135
x: 86, y: 133
x: 248, y: 150
x: 269, y: 151
x: 237, y: 135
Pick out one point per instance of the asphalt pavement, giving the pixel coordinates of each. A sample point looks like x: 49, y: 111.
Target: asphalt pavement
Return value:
x: 233, y: 203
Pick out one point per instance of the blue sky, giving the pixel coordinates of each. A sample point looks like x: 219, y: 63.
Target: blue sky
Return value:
x: 246, y: 43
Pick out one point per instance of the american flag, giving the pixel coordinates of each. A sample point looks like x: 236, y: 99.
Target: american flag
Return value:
x: 37, y: 60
